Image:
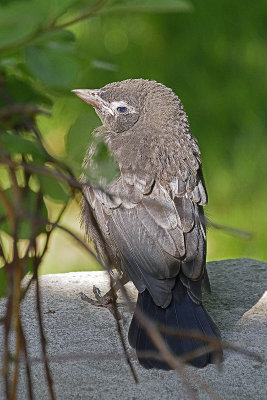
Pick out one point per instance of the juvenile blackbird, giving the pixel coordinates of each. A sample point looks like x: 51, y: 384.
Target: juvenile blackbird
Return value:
x: 151, y: 216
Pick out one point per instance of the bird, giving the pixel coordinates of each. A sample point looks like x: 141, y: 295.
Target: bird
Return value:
x: 151, y: 215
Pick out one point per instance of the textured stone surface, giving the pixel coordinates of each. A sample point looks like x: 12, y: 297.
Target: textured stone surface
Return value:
x: 75, y: 329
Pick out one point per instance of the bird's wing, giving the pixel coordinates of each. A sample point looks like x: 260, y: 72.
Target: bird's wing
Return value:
x: 149, y: 234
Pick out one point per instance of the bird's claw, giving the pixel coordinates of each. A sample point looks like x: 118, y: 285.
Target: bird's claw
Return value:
x: 100, y: 301
x: 97, y: 293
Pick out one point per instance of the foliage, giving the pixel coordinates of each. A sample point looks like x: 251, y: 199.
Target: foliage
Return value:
x: 39, y: 61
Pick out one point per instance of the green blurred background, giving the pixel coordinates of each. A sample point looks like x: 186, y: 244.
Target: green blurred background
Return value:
x: 213, y: 55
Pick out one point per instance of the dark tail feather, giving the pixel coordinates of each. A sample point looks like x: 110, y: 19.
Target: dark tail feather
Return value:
x: 182, y: 313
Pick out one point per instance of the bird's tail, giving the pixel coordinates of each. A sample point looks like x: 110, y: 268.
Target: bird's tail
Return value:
x: 182, y: 313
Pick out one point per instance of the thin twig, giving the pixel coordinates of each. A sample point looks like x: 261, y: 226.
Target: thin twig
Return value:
x: 228, y: 229
x: 43, y: 170
x: 28, y: 109
x: 214, y: 343
x: 7, y: 326
x: 27, y: 362
x: 43, y: 338
x: 117, y: 318
x: 55, y: 225
x: 87, y: 14
x: 16, y: 284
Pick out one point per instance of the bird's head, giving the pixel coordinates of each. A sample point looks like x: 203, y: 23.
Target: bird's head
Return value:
x: 122, y: 105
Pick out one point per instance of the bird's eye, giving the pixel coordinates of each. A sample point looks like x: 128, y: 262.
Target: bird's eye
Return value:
x: 122, y: 109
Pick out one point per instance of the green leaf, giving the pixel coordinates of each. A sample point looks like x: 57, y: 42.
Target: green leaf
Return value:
x: 52, y: 66
x: 3, y: 282
x: 102, y: 168
x: 18, y: 20
x: 52, y: 188
x: 79, y: 136
x: 159, y: 6
x: 15, y: 144
x: 22, y: 91
x: 29, y: 204
x: 29, y: 267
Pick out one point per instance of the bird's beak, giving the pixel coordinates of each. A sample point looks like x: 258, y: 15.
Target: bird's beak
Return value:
x: 93, y: 97
x: 90, y: 96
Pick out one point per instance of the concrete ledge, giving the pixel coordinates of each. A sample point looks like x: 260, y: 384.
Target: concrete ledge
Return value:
x: 238, y: 304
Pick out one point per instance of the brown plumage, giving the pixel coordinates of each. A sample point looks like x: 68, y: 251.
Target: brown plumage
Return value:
x: 151, y: 216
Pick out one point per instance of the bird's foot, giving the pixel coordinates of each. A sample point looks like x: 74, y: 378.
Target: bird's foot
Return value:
x: 106, y: 301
